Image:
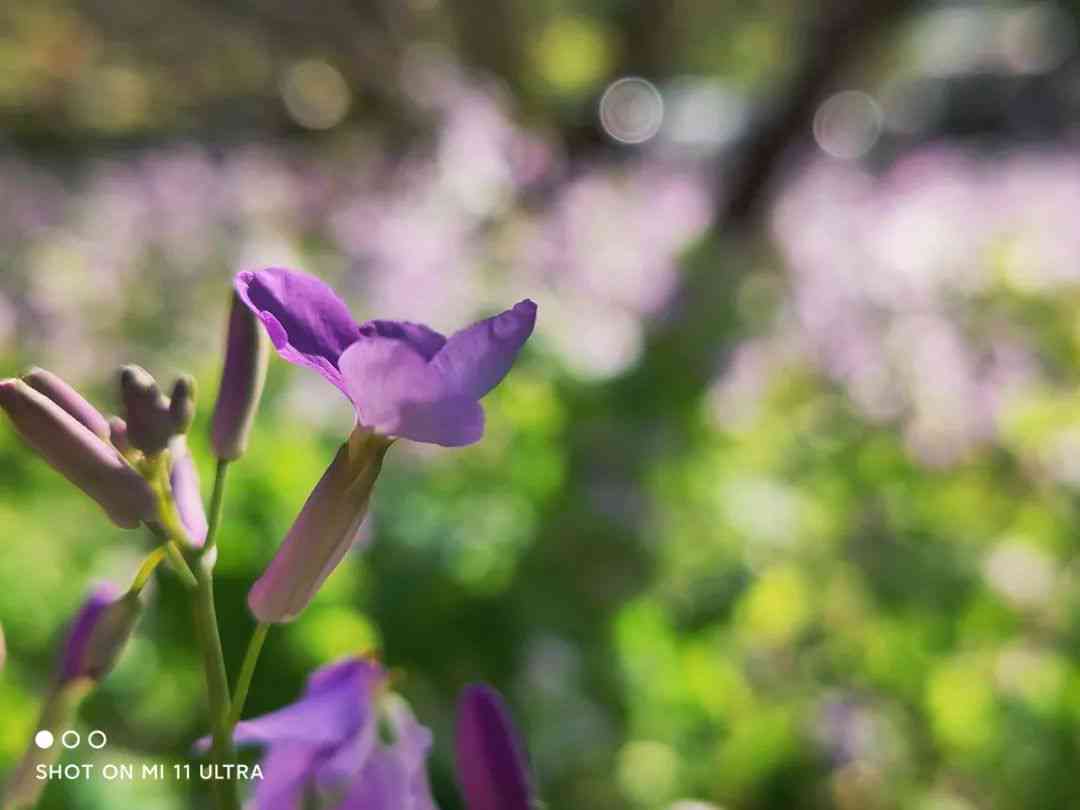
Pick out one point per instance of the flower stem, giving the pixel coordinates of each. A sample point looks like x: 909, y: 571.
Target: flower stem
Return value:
x: 217, y: 680
x: 247, y: 671
x: 217, y: 501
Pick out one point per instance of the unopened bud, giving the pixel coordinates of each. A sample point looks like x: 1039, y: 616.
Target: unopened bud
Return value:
x: 78, y: 454
x: 242, y: 377
x: 98, y: 634
x: 184, y: 480
x: 182, y: 404
x: 47, y: 383
x: 149, y: 423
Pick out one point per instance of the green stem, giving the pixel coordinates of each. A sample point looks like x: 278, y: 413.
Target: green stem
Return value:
x: 247, y: 671
x: 217, y: 501
x: 179, y: 564
x: 217, y: 681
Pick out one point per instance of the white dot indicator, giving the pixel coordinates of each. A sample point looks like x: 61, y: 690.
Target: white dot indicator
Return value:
x: 44, y: 739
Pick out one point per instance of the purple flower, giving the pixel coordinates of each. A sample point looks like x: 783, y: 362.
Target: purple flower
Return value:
x: 404, y: 380
x: 490, y: 763
x: 345, y: 743
x: 67, y: 433
x: 98, y: 634
x: 242, y: 378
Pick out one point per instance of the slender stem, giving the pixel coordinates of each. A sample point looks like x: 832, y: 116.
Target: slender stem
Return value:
x: 247, y: 671
x: 147, y: 568
x: 217, y: 680
x: 217, y: 501
x: 176, y: 557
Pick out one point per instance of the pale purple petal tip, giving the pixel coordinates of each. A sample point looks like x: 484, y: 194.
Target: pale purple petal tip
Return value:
x: 76, y: 647
x: 475, y: 360
x: 306, y: 321
x: 184, y: 478
x: 490, y: 764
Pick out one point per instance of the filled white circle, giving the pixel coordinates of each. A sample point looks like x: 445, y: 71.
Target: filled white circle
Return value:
x: 44, y: 739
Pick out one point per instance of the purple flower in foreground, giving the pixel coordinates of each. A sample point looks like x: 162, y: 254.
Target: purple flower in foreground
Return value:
x: 490, y: 763
x: 345, y: 744
x: 73, y: 437
x: 98, y: 634
x: 404, y: 380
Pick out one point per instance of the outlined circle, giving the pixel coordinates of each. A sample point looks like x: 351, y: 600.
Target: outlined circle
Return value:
x: 90, y: 739
x: 631, y: 110
x: 64, y: 739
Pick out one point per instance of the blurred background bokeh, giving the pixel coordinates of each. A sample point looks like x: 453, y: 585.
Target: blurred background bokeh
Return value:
x: 779, y: 510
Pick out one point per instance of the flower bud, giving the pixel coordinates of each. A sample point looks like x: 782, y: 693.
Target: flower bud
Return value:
x: 98, y: 634
x: 182, y: 404
x: 242, y: 378
x: 150, y: 425
x: 324, y: 530
x: 184, y: 480
x: 490, y: 764
x: 78, y: 454
x: 118, y: 435
x: 47, y: 383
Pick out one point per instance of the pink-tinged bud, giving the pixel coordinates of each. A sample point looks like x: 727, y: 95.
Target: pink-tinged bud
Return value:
x: 323, y: 532
x: 47, y: 383
x: 78, y: 454
x: 182, y: 403
x: 242, y: 376
x: 98, y: 634
x: 118, y: 436
x: 184, y: 480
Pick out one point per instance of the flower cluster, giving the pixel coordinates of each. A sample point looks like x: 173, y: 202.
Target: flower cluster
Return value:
x: 348, y: 743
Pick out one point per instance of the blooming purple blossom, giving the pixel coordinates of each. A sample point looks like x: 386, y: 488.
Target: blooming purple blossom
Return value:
x: 349, y: 744
x: 404, y: 380
x: 346, y: 743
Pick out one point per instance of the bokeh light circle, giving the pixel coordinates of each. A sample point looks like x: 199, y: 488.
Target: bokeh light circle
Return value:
x: 848, y: 124
x: 631, y: 110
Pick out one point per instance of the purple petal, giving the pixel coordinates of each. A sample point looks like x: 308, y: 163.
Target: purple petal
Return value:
x: 76, y: 647
x: 424, y: 340
x: 307, y: 322
x: 490, y: 765
x: 474, y: 360
x: 397, y: 393
x: 184, y: 478
x: 69, y: 399
x: 287, y: 769
x: 330, y: 712
x: 323, y: 532
x: 394, y: 776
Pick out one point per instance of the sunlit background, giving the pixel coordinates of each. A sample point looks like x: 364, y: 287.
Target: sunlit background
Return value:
x: 780, y: 508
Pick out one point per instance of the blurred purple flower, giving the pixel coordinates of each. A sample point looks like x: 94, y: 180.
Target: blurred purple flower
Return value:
x: 490, y: 763
x: 184, y: 480
x: 404, y: 380
x: 98, y: 634
x: 343, y: 744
